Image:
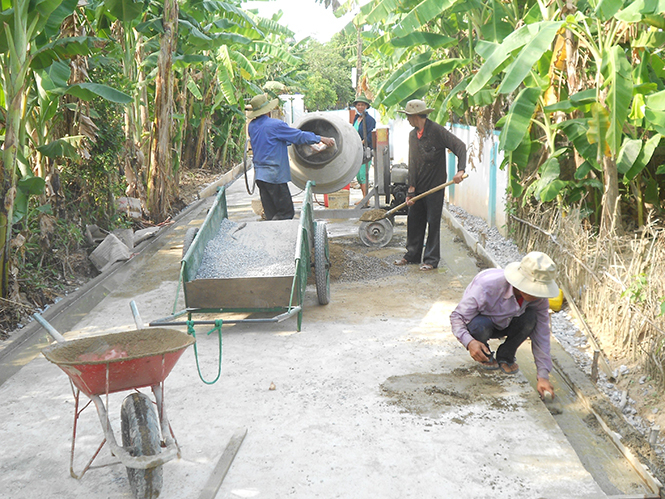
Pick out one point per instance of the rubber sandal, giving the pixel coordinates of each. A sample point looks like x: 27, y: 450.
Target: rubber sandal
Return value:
x: 491, y: 365
x: 401, y: 262
x: 426, y: 267
x: 509, y: 367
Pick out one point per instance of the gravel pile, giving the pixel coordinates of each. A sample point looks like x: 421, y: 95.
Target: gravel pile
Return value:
x: 360, y: 267
x: 254, y: 249
x: 503, y: 250
x: 352, y: 261
x: 566, y: 332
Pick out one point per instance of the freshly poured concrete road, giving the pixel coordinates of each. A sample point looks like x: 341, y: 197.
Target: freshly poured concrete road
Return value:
x: 374, y: 398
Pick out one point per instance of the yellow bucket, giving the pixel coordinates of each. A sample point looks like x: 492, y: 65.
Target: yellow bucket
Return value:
x: 557, y: 302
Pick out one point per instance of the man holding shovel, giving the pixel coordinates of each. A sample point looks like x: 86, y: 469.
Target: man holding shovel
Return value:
x: 511, y: 303
x: 428, y: 142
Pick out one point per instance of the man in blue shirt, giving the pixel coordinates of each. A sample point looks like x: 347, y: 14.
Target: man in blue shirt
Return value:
x: 270, y: 139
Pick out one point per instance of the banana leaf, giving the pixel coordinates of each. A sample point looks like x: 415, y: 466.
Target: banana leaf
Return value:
x: 540, y: 42
x: 599, y: 124
x: 423, y: 13
x: 628, y: 153
x: 617, y: 72
x: 421, y: 78
x: 503, y: 52
x: 88, y: 91
x: 643, y: 157
x: 518, y: 119
x: 417, y: 38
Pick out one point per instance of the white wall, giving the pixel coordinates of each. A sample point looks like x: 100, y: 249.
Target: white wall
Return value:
x: 294, y: 107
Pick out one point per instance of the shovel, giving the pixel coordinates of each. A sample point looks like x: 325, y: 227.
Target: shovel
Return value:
x: 375, y: 215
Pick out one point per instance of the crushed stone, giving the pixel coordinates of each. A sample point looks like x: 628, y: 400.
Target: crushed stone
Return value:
x: 252, y: 249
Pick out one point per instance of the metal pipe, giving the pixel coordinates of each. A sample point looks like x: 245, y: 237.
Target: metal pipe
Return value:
x: 51, y: 330
x: 137, y: 317
x: 279, y: 318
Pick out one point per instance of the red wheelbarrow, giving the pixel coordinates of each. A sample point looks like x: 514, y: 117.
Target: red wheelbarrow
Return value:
x: 111, y: 363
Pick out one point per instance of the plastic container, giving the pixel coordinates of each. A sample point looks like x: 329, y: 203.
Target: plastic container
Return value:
x: 557, y: 302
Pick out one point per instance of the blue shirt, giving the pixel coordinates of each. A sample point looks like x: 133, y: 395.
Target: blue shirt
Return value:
x: 491, y: 295
x: 270, y: 139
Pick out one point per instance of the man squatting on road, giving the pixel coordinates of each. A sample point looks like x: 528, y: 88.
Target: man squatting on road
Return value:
x: 270, y: 139
x: 512, y: 303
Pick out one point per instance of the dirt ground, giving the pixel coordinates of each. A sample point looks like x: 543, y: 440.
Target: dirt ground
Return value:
x: 372, y: 398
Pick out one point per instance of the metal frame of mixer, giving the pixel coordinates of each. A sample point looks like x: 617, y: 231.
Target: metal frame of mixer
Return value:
x: 377, y: 233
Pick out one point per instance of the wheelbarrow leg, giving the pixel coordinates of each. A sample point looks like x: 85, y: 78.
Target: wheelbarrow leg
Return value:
x: 167, y: 431
x: 78, y: 476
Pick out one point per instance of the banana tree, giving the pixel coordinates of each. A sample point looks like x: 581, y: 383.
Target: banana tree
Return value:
x: 159, y: 184
x: 128, y: 14
x: 590, y: 123
x: 426, y: 48
x: 22, y: 23
x: 225, y: 53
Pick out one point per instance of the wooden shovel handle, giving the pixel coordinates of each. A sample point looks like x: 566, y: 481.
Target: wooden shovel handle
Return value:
x: 420, y: 196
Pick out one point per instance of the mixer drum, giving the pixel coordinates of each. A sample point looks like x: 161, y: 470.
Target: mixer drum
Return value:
x: 330, y: 169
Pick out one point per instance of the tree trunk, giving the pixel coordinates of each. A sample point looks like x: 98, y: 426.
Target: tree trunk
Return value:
x: 161, y: 160
x: 610, y: 218
x: 14, y: 90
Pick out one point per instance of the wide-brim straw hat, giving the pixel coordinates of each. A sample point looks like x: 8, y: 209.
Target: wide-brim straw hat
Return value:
x: 261, y: 104
x: 534, y: 275
x: 363, y: 99
x: 416, y: 106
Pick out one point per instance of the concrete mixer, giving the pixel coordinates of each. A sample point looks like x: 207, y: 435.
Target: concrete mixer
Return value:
x: 332, y: 169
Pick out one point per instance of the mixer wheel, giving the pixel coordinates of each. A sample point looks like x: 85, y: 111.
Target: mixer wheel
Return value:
x: 377, y: 233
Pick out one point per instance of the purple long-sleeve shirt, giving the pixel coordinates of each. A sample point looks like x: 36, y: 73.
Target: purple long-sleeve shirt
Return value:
x: 489, y: 294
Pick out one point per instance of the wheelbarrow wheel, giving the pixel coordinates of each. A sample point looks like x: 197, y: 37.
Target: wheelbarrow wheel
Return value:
x: 322, y: 263
x: 189, y: 239
x: 140, y: 436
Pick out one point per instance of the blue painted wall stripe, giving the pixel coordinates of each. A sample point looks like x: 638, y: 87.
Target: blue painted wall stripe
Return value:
x: 491, y: 202
x: 452, y: 169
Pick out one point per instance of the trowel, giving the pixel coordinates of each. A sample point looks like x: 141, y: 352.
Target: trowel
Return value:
x: 552, y: 404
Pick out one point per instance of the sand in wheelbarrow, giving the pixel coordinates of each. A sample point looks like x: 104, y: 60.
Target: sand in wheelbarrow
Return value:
x: 126, y: 345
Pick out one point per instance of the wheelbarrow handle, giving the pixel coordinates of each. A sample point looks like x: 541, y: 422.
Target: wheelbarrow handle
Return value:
x: 51, y: 330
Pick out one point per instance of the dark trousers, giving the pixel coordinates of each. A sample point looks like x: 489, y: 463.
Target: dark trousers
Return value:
x: 424, y: 214
x: 276, y: 201
x: 520, y: 328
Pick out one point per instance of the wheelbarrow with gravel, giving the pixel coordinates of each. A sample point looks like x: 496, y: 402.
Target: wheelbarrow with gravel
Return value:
x: 250, y: 272
x: 109, y: 363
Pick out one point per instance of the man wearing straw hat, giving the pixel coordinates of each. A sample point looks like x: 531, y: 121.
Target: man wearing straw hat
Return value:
x: 428, y: 142
x: 270, y: 139
x: 511, y: 303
